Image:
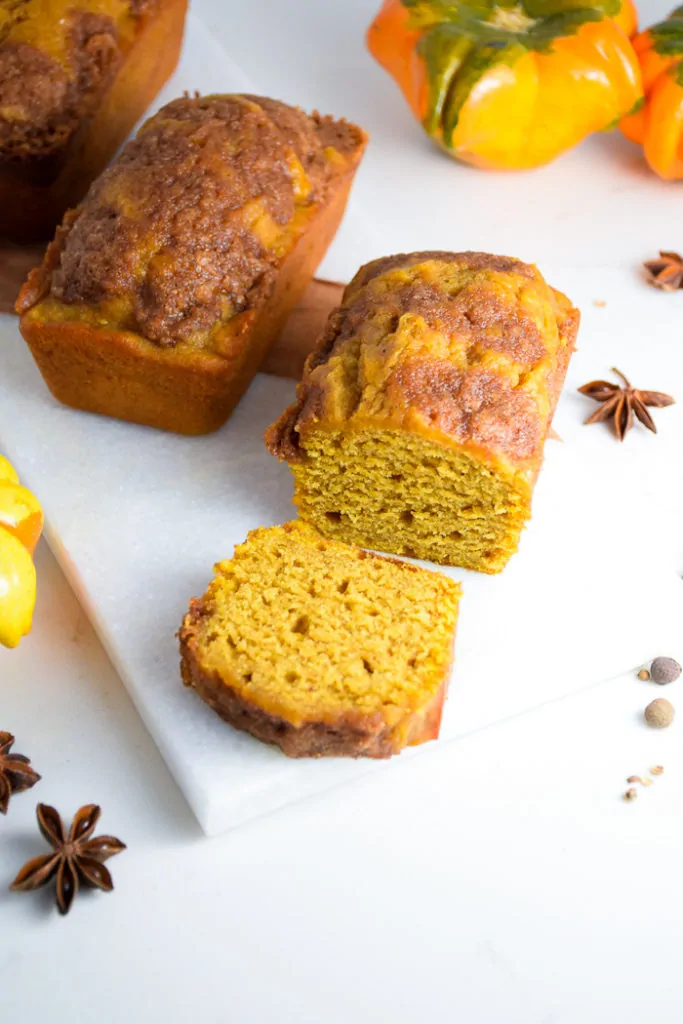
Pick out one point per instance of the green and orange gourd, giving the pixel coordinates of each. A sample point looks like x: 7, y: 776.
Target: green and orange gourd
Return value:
x: 514, y: 84
x: 658, y: 124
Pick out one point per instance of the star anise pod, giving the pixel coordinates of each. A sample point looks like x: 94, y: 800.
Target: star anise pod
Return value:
x: 77, y: 858
x: 620, y: 403
x: 16, y: 773
x: 666, y: 272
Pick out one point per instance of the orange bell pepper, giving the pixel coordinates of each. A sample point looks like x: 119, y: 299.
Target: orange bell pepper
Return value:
x: 658, y: 125
x: 510, y: 85
x: 21, y: 523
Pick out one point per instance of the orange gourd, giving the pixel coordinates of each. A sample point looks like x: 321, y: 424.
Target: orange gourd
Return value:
x: 21, y: 523
x: 627, y: 18
x: 658, y: 125
x: 510, y: 85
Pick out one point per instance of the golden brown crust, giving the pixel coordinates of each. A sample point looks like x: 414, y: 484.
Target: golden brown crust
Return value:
x: 479, y: 358
x: 352, y: 735
x: 44, y: 100
x: 188, y: 388
x: 70, y: 92
x: 172, y: 225
x: 37, y: 285
x: 475, y: 260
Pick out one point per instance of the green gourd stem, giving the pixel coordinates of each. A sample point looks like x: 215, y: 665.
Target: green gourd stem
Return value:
x: 667, y: 36
x: 462, y: 41
x: 557, y: 26
x: 667, y: 41
x: 543, y: 9
x: 432, y: 12
x: 443, y: 50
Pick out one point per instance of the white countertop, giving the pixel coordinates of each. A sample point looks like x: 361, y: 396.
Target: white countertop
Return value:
x: 499, y: 879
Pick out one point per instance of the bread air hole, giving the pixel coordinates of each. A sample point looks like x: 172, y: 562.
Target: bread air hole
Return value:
x: 407, y: 518
x: 301, y: 625
x: 367, y: 666
x: 333, y: 517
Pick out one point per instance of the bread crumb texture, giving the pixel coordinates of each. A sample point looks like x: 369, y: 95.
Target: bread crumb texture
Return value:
x: 421, y: 418
x: 320, y: 647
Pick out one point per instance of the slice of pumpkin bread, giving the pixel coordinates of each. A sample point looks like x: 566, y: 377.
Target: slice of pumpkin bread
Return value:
x: 421, y: 418
x: 321, y: 648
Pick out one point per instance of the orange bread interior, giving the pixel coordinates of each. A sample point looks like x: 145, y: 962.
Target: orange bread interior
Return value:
x: 321, y: 647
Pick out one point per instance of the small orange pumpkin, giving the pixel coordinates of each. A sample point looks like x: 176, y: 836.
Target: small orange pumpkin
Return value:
x: 510, y: 84
x: 658, y: 124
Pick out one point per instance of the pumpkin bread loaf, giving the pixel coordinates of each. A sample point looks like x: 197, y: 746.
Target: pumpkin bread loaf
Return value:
x: 162, y: 292
x: 321, y: 648
x: 75, y: 77
x: 421, y: 418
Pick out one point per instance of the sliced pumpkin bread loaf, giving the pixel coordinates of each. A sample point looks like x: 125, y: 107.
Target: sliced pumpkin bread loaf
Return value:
x: 421, y: 418
x: 321, y: 648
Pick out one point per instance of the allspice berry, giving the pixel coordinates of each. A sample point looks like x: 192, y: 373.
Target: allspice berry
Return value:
x: 659, y: 713
x: 664, y: 670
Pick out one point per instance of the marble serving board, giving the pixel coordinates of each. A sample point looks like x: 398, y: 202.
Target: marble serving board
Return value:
x: 137, y: 517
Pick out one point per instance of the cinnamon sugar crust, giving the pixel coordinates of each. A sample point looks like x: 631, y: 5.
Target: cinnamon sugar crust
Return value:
x: 187, y: 225
x: 488, y: 322
x: 46, y: 94
x: 75, y: 77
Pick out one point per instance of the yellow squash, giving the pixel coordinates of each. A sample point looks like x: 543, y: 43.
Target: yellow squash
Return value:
x: 21, y: 523
x: 514, y: 84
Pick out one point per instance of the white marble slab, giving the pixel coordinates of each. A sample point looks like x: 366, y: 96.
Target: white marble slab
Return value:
x: 137, y: 517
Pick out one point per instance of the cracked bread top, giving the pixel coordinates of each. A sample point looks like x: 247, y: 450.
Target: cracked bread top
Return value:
x: 56, y: 61
x: 469, y: 348
x: 189, y: 225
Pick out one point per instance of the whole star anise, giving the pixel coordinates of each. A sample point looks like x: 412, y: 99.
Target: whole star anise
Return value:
x: 620, y: 403
x: 77, y: 858
x: 666, y: 272
x: 16, y: 773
